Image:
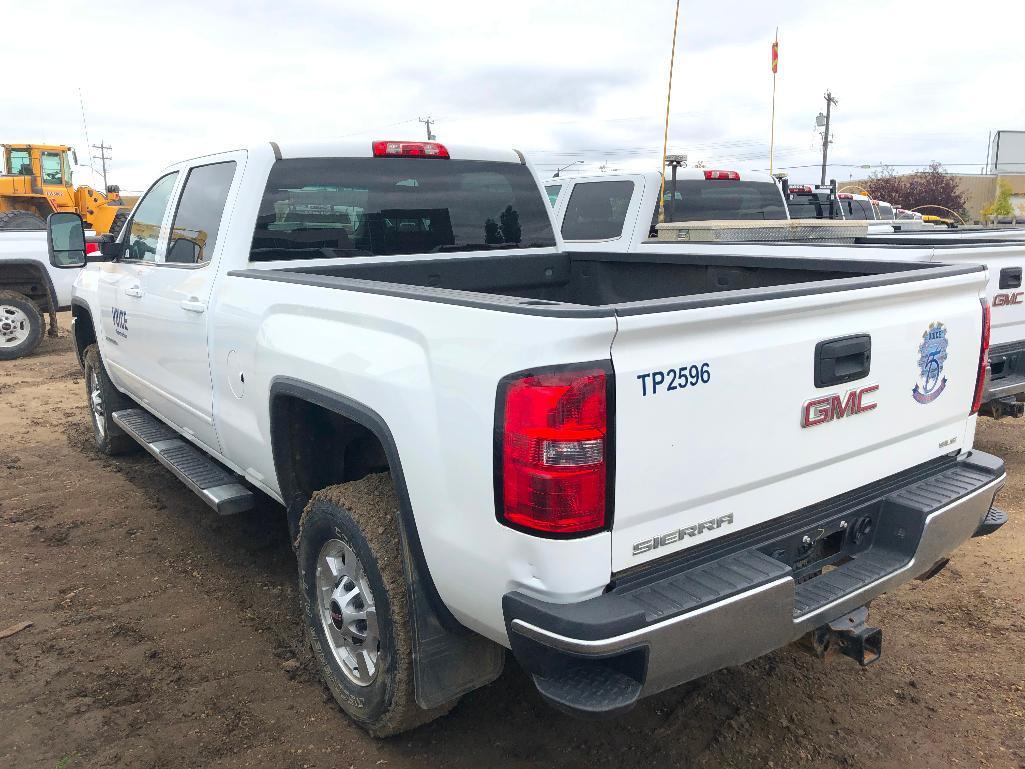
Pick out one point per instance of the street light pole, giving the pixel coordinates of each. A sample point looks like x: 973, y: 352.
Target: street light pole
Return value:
x: 560, y: 170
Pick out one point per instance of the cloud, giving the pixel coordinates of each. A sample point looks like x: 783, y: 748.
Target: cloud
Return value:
x: 167, y: 80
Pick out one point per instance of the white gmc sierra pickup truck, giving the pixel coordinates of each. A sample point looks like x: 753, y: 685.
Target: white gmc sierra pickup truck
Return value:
x: 619, y: 212
x: 630, y: 470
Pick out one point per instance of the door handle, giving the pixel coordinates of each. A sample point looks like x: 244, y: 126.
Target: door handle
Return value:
x: 133, y: 291
x: 193, y: 305
x: 1010, y: 277
x: 845, y: 359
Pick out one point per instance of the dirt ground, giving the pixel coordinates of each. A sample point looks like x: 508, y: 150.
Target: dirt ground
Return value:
x: 165, y: 636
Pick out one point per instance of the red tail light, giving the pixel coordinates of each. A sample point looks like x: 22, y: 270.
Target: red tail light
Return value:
x: 552, y: 451
x: 389, y: 149
x: 980, y: 379
x: 732, y: 176
x: 845, y: 196
x: 91, y: 248
x: 800, y: 188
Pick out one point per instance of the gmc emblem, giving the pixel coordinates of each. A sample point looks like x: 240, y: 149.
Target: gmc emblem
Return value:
x: 818, y: 411
x: 1000, y: 300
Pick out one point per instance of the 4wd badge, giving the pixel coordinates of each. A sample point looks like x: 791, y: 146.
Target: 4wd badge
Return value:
x: 932, y: 354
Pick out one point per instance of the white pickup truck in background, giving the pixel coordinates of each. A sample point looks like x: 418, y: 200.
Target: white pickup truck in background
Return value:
x: 32, y: 284
x: 481, y: 441
x: 618, y: 213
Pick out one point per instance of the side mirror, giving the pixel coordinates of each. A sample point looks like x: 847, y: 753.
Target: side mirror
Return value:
x: 65, y: 240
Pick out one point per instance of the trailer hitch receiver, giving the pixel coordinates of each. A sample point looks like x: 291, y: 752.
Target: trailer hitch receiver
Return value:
x: 848, y: 635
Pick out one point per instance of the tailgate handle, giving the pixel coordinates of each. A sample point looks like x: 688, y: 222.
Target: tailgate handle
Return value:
x: 842, y: 360
x: 1010, y: 277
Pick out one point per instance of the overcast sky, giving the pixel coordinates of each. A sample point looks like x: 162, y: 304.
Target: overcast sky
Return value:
x: 162, y: 81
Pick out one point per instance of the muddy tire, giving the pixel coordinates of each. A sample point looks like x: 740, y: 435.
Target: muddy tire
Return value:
x: 21, y: 325
x: 354, y: 604
x: 21, y: 220
x: 104, y: 399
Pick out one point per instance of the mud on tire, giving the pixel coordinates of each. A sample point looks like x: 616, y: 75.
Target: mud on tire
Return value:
x: 21, y: 325
x: 361, y: 516
x: 104, y: 399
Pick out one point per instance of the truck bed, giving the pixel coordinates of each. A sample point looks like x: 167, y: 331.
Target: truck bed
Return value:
x: 603, y: 284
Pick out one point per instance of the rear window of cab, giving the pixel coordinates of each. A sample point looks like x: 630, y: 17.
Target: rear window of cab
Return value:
x: 315, y: 208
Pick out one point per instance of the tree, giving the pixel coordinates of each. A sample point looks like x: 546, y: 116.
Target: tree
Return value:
x: 1000, y: 207
x: 931, y: 190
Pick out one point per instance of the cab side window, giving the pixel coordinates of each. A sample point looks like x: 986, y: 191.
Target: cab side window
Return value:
x: 19, y: 163
x: 597, y: 210
x: 200, y: 207
x: 143, y: 231
x: 51, y: 167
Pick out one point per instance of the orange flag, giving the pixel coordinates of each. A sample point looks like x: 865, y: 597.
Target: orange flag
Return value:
x: 775, y: 58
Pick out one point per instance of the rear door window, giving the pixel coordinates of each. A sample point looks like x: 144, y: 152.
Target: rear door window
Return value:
x: 597, y: 210
x: 143, y: 232
x: 198, y: 218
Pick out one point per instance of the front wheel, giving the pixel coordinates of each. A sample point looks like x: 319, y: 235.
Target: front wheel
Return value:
x: 21, y: 325
x: 354, y: 603
x: 104, y: 399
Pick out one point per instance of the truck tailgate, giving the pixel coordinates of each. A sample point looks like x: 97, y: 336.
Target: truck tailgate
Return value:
x: 720, y: 424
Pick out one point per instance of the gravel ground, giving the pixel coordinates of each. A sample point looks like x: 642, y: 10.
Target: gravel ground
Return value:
x: 164, y: 636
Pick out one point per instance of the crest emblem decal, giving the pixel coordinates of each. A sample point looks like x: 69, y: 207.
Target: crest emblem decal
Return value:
x: 932, y: 354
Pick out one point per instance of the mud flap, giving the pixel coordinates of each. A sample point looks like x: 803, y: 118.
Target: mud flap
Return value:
x: 446, y: 663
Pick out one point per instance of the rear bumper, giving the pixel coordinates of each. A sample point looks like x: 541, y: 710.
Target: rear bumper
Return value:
x: 734, y: 602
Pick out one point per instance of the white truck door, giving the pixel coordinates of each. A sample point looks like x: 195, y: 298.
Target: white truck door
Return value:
x: 177, y: 292
x: 120, y: 289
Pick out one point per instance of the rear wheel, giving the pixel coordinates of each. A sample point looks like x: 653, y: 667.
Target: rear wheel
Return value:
x: 21, y: 325
x: 353, y: 592
x: 104, y: 399
x: 21, y: 220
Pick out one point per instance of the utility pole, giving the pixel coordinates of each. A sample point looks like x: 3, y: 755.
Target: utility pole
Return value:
x: 830, y: 102
x: 104, y: 157
x: 427, y: 122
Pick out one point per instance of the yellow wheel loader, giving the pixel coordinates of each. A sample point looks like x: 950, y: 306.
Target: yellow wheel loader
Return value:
x: 36, y: 181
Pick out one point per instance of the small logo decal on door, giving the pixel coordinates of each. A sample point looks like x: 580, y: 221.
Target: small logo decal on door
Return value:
x: 120, y: 322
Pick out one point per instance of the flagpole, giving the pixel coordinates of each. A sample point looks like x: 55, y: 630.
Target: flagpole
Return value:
x: 772, y: 129
x: 665, y: 133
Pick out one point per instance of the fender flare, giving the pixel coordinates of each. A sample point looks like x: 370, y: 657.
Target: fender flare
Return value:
x: 372, y: 421
x: 79, y: 302
x: 51, y: 292
x: 448, y: 659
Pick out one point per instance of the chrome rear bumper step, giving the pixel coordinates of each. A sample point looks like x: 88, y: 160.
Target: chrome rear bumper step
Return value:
x: 207, y: 478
